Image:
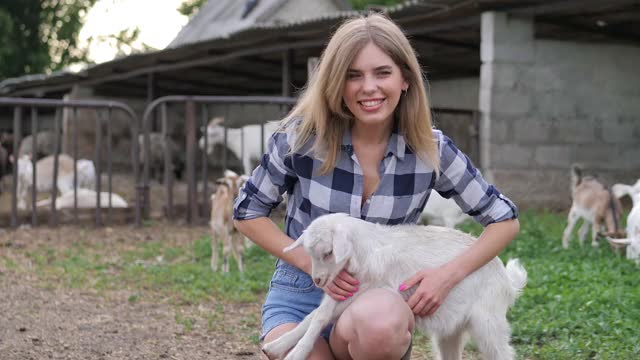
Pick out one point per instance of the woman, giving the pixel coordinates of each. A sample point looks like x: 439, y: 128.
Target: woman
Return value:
x: 360, y: 141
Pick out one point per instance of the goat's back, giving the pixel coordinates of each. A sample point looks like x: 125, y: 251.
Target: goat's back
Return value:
x: 409, y: 249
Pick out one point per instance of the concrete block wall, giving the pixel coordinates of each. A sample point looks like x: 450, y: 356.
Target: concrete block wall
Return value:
x: 459, y: 93
x: 547, y: 104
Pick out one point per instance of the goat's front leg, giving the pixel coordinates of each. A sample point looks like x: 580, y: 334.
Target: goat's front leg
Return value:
x: 302, y: 337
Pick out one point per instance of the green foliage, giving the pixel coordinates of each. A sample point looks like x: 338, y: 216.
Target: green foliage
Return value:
x: 40, y: 35
x: 190, y: 7
x: 579, y: 303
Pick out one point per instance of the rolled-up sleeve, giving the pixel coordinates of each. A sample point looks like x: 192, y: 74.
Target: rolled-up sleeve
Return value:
x: 460, y: 180
x: 272, y: 178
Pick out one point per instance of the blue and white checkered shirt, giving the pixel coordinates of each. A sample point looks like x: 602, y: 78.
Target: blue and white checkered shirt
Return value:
x: 403, y: 190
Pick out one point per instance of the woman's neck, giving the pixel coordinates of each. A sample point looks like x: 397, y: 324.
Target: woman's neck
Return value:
x: 371, y: 134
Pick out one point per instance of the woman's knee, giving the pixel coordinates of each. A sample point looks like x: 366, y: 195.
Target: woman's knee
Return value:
x: 381, y: 319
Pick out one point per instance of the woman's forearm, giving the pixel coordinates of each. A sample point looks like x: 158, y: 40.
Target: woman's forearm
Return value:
x: 490, y: 243
x: 266, y: 234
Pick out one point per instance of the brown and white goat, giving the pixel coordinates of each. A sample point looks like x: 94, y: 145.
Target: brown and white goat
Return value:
x: 233, y: 242
x: 594, y: 203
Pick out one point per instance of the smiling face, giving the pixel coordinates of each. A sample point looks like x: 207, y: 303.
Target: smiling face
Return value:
x: 373, y: 86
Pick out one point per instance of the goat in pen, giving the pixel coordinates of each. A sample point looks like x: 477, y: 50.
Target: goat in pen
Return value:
x: 222, y: 229
x: 384, y: 256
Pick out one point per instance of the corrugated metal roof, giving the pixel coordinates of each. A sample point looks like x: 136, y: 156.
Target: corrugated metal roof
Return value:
x: 221, y: 18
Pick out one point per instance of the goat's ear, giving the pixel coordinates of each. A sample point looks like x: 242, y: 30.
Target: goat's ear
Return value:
x: 341, y: 244
x: 295, y: 244
x: 620, y: 190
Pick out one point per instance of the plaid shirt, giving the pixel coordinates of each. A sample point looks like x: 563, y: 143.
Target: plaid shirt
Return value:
x: 403, y: 190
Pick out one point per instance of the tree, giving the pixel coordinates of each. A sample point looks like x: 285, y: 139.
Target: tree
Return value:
x: 40, y: 35
x: 191, y: 7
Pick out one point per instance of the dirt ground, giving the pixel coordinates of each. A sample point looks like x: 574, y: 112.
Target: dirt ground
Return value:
x: 44, y: 320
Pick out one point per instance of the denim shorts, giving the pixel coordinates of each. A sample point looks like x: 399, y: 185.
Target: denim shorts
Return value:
x: 292, y: 296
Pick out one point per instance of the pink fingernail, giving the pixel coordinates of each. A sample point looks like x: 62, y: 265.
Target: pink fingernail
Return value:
x: 350, y: 294
x: 343, y: 298
x: 403, y: 287
x: 356, y: 289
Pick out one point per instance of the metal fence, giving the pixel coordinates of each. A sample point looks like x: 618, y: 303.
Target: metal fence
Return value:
x: 461, y: 125
x: 104, y: 110
x: 191, y: 106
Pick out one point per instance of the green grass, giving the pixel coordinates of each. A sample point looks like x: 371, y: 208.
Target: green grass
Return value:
x: 580, y: 303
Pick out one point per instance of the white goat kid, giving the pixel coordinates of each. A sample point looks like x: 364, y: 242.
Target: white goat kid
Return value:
x: 442, y: 212
x: 233, y: 242
x: 86, y: 200
x: 244, y: 142
x: 385, y: 256
x: 632, y: 242
x: 86, y: 173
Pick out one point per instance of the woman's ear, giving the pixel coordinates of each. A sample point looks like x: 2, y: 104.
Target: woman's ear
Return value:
x: 295, y: 244
x: 341, y: 244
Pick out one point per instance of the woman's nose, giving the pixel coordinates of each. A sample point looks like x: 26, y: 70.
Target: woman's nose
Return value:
x: 369, y: 84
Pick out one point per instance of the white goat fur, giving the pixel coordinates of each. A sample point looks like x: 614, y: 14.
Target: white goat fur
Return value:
x: 233, y: 242
x: 592, y: 202
x: 442, y: 212
x: 86, y: 200
x: 248, y: 150
x: 86, y: 173
x: 632, y: 242
x: 385, y: 256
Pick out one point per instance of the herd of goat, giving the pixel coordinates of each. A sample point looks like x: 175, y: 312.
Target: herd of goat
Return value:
x: 598, y: 206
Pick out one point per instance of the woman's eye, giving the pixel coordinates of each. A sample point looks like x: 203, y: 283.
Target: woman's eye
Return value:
x: 384, y: 73
x: 352, y: 76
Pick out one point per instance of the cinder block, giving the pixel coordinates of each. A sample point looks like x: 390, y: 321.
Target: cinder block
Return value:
x: 511, y: 102
x: 511, y: 155
x: 553, y: 156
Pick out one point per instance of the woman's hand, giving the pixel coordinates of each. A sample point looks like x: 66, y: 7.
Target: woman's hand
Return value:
x: 342, y: 287
x: 433, y: 287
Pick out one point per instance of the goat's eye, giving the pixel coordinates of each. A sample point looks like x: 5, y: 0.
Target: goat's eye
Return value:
x: 326, y: 256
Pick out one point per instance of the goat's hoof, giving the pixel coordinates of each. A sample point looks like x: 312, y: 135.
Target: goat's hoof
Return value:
x: 275, y: 349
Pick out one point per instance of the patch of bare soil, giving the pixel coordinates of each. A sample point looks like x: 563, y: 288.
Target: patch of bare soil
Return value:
x: 44, y: 320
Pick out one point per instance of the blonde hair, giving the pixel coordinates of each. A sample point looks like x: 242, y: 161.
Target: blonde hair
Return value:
x: 322, y: 110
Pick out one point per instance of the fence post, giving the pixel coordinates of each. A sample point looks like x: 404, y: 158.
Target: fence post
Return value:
x: 190, y: 128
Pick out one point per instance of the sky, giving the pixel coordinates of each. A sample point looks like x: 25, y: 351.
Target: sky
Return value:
x: 159, y: 22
